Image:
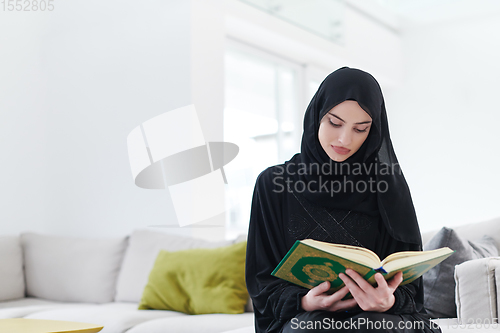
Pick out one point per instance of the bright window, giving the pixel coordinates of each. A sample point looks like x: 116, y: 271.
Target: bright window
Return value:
x: 264, y: 106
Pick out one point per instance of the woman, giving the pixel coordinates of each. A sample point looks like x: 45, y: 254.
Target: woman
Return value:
x: 344, y: 187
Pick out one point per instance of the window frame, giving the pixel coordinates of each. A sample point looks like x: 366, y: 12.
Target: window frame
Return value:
x: 305, y: 73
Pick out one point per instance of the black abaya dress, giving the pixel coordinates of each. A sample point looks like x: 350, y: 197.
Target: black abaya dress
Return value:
x: 279, y: 217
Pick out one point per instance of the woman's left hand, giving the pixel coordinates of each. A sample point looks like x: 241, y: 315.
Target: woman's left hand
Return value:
x: 369, y: 298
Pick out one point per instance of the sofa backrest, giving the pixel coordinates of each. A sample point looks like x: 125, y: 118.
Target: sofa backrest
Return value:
x: 11, y: 268
x: 473, y: 231
x: 71, y: 269
x: 144, y: 246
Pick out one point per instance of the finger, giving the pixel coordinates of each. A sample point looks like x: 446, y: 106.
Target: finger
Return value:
x: 360, y: 281
x: 355, y: 290
x: 336, y: 297
x: 344, y: 305
x: 339, y: 294
x: 396, y: 280
x: 381, y: 282
x: 336, y: 302
x: 320, y: 288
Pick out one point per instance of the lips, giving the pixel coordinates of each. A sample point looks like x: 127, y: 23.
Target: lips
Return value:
x: 340, y: 150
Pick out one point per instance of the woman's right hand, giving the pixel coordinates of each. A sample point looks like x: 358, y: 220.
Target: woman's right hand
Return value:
x: 317, y: 299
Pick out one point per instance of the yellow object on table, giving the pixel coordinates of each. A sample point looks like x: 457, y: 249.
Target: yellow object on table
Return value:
x: 23, y: 325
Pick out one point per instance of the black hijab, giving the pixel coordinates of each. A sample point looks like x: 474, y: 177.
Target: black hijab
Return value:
x: 374, y: 164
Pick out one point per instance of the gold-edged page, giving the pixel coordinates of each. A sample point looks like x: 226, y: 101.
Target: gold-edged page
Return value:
x: 359, y: 254
x: 409, y: 258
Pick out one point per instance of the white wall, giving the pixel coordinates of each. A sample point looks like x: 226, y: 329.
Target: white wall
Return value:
x: 73, y: 83
x: 444, y: 120
x: 77, y: 80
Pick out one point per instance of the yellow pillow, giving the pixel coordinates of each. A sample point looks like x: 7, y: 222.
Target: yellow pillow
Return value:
x: 198, y: 281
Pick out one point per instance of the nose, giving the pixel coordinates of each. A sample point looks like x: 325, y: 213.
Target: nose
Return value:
x: 345, y: 138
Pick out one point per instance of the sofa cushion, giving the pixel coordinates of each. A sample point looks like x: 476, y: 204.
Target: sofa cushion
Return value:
x: 241, y: 238
x: 23, y: 307
x: 144, y: 246
x: 115, y: 317
x: 246, y: 329
x: 207, y: 323
x: 71, y: 269
x: 198, y: 281
x: 439, y: 282
x: 11, y: 268
x: 476, y: 295
x: 27, y: 301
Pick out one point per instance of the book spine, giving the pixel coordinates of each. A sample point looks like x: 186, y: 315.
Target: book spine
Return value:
x: 380, y: 270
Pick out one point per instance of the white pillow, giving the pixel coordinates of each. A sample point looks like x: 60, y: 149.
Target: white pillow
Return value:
x: 475, y: 290
x: 71, y: 269
x: 11, y: 268
x: 140, y: 257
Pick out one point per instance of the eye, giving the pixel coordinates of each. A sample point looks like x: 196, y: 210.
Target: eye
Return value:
x: 335, y: 125
x: 361, y: 131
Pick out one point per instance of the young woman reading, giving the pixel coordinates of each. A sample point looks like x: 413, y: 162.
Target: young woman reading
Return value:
x: 345, y: 186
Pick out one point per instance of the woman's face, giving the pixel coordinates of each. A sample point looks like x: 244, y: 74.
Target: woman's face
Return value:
x: 343, y: 130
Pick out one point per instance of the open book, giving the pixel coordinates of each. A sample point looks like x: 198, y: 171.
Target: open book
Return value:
x: 310, y: 262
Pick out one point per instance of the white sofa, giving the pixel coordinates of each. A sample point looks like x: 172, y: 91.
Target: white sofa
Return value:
x: 97, y: 281
x: 478, y: 290
x: 101, y: 281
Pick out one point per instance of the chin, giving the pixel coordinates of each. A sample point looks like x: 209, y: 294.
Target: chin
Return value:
x: 339, y: 158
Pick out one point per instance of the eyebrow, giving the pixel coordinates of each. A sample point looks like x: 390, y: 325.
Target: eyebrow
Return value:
x: 360, y: 123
